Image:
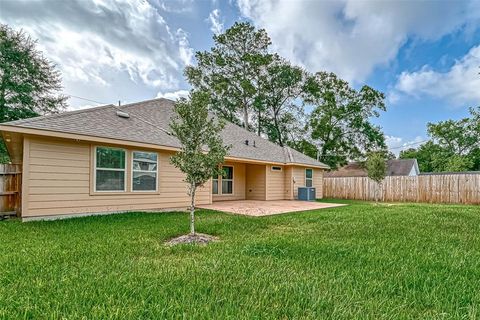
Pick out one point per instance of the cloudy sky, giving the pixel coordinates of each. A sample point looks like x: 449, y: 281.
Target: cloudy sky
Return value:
x: 425, y: 55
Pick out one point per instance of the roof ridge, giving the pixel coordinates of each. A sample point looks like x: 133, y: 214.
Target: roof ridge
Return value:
x: 146, y: 101
x: 290, y: 150
x: 289, y: 154
x: 256, y: 135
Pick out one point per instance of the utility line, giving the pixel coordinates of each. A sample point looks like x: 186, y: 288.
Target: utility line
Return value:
x: 73, y: 96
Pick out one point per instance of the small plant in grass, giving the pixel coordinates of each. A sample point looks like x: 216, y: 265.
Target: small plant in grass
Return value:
x: 202, y: 149
x: 376, y: 169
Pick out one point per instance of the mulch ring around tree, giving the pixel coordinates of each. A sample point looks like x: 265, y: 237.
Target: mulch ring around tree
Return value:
x: 197, y: 238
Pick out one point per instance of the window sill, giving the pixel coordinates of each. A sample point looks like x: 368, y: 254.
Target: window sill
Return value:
x: 121, y: 193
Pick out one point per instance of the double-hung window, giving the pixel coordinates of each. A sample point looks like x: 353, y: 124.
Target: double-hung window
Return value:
x: 109, y: 169
x: 144, y: 171
x: 227, y: 180
x: 308, y: 177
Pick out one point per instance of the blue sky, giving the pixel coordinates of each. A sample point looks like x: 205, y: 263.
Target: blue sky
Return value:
x: 424, y: 55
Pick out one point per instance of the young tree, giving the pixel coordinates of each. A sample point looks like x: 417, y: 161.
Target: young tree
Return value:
x: 230, y: 72
x: 376, y: 169
x: 202, y: 147
x: 340, y: 123
x: 29, y: 84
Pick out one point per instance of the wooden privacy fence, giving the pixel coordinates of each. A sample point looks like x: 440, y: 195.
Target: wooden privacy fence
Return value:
x: 448, y: 188
x: 10, y: 185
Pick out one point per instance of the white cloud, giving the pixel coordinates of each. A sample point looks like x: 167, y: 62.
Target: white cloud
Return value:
x: 352, y: 37
x: 82, y: 106
x: 216, y: 26
x: 397, y: 144
x: 96, y: 41
x: 186, y: 52
x: 460, y: 84
x: 174, y: 95
x: 179, y: 6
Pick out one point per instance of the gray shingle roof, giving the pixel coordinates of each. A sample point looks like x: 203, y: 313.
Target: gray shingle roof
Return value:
x: 395, y: 167
x: 149, y: 123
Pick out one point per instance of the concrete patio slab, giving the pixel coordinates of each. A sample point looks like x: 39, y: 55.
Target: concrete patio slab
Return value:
x: 258, y: 208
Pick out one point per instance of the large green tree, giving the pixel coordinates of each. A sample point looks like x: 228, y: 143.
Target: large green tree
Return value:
x: 29, y: 83
x: 281, y: 86
x: 230, y: 72
x: 202, y: 149
x: 340, y: 123
x: 430, y: 156
x: 454, y: 145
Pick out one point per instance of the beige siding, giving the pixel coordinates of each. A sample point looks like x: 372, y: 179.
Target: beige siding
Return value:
x: 58, y: 180
x: 298, y: 179
x: 288, y: 183
x: 238, y: 184
x: 255, y: 182
x: 275, y: 184
x: 318, y: 182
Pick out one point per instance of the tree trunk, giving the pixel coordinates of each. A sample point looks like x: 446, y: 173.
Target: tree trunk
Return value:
x: 245, y: 116
x: 280, y: 140
x: 377, y: 193
x: 2, y: 105
x: 192, y: 209
x: 259, y: 125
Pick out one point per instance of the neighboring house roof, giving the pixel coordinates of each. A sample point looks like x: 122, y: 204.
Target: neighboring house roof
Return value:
x: 149, y: 123
x: 448, y: 173
x: 395, y: 167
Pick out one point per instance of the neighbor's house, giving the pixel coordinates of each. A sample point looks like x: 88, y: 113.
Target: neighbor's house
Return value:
x: 395, y: 167
x: 111, y: 159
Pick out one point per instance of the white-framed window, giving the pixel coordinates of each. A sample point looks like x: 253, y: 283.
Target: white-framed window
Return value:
x: 227, y: 180
x: 110, y: 170
x: 144, y: 171
x: 276, y: 168
x: 308, y: 177
x: 215, y: 185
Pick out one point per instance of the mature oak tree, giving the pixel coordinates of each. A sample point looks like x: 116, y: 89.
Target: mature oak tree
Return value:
x: 340, y: 123
x: 202, y: 149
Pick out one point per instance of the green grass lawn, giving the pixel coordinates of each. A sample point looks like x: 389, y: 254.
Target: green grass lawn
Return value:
x: 360, y: 261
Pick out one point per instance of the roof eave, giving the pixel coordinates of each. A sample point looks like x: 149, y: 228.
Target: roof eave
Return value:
x: 319, y: 166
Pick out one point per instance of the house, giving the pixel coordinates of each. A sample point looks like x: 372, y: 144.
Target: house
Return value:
x: 115, y: 159
x: 395, y: 167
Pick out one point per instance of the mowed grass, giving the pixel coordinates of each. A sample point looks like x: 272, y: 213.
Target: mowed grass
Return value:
x: 359, y: 261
